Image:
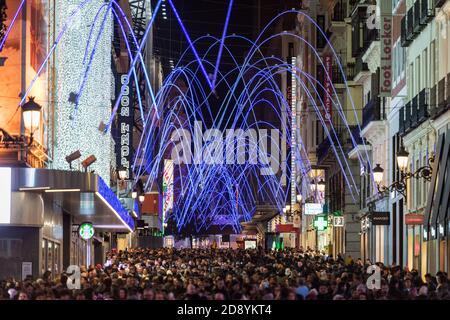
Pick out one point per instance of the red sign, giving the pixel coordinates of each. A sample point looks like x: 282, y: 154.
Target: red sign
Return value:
x: 286, y: 228
x: 414, y: 219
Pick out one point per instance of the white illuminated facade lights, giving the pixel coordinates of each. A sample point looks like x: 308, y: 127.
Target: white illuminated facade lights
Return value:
x: 293, y: 131
x: 75, y: 130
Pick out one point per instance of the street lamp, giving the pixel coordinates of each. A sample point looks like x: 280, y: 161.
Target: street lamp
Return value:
x: 141, y: 198
x: 402, y: 158
x: 321, y: 186
x: 424, y: 172
x: 134, y: 194
x: 31, y: 115
x: 299, y: 198
x: 122, y: 173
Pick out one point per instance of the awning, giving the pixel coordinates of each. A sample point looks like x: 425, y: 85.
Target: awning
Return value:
x: 83, y: 195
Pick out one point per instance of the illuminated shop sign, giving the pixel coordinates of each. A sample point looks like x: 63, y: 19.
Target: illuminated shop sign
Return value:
x: 86, y: 230
x: 124, y: 133
x: 313, y: 209
x: 167, y: 187
x: 321, y: 223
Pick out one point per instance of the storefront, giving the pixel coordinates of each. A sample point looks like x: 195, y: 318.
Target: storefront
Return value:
x: 39, y: 214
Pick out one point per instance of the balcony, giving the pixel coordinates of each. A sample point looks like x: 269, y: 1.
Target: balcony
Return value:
x: 410, y: 35
x: 404, y: 33
x: 433, y: 102
x: 424, y: 105
x: 349, y: 72
x: 418, y: 25
x: 372, y: 112
x: 15, y: 152
x: 339, y: 12
x: 414, y: 114
x: 426, y: 12
x: 407, y: 122
x: 401, y: 120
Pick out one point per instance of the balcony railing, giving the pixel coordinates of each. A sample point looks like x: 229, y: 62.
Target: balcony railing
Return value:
x: 418, y: 25
x: 433, y: 102
x: 407, y: 117
x: 401, y: 120
x: 343, y: 136
x: 339, y: 13
x: 427, y: 11
x: 372, y: 112
x: 414, y: 112
x: 410, y: 25
x: 349, y: 72
x: 360, y: 66
x: 404, y: 32
x: 14, y: 151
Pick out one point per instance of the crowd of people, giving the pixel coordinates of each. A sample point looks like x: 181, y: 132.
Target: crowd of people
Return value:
x: 227, y: 274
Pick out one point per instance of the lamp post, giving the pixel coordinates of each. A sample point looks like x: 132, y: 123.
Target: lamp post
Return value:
x: 31, y: 116
x: 424, y: 172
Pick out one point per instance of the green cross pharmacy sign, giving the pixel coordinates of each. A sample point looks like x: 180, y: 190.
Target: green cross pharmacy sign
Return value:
x: 320, y: 223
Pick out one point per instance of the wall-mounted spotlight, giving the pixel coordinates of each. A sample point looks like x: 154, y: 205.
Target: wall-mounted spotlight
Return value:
x: 89, y: 160
x: 72, y: 157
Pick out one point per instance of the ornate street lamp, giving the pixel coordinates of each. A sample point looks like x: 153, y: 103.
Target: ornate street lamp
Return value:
x: 122, y: 173
x: 141, y: 198
x: 424, y: 172
x: 31, y: 116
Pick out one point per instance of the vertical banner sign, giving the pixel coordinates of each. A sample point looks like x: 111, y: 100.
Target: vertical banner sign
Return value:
x: 167, y: 189
x: 328, y: 84
x: 386, y: 48
x: 293, y: 103
x: 124, y: 138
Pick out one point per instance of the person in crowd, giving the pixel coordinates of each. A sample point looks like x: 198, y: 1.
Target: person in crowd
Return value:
x: 227, y: 274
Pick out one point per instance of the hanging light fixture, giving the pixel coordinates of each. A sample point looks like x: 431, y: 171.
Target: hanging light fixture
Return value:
x: 31, y: 116
x: 378, y: 174
x: 402, y: 158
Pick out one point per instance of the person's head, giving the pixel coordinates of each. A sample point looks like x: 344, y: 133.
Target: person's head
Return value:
x: 23, y: 296
x: 148, y: 294
x: 122, y: 294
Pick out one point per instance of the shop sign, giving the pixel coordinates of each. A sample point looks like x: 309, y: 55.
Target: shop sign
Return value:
x: 125, y: 119
x: 320, y: 223
x: 285, y: 228
x: 414, y: 219
x: 328, y: 102
x: 312, y: 209
x: 338, y: 221
x: 27, y: 269
x: 86, y: 230
x: 386, y: 49
x: 381, y: 218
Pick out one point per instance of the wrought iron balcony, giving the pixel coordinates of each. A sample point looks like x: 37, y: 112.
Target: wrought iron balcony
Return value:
x: 406, y: 41
x: 415, y: 112
x: 349, y: 72
x: 372, y: 112
x: 418, y: 25
x: 401, y: 120
x: 424, y: 104
x: 410, y: 25
x: 339, y: 13
x: 427, y: 11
